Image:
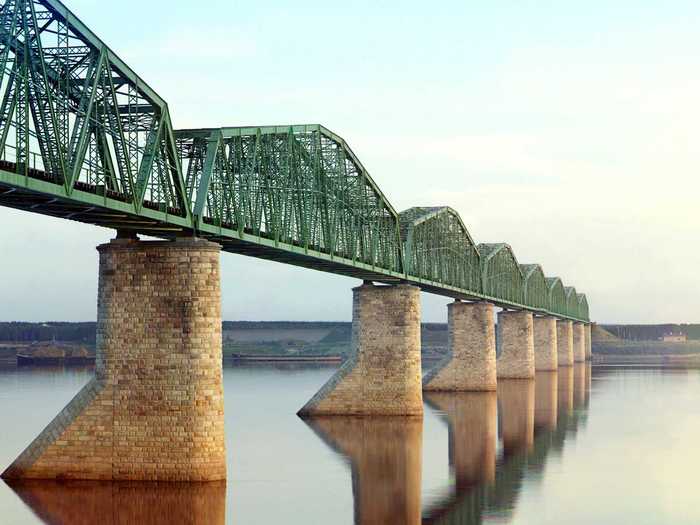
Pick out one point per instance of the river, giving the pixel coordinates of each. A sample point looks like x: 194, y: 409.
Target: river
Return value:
x: 584, y: 445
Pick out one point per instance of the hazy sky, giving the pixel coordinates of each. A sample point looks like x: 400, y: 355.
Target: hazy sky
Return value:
x: 567, y: 129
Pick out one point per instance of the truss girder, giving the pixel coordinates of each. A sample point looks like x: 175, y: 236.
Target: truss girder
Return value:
x: 438, y: 248
x: 82, y: 137
x: 501, y: 275
x: 73, y: 114
x: 297, y: 186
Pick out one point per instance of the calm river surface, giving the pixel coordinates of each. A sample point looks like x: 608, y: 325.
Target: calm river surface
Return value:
x: 582, y: 446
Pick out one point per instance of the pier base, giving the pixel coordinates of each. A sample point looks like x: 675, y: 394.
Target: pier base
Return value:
x: 545, y: 335
x: 579, y: 340
x: 471, y: 361
x: 382, y: 376
x: 565, y: 343
x: 516, y: 339
x: 154, y: 409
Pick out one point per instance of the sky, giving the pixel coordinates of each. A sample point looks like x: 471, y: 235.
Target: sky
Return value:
x: 566, y: 129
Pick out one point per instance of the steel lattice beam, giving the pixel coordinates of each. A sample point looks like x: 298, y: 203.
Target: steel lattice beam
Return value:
x: 82, y: 137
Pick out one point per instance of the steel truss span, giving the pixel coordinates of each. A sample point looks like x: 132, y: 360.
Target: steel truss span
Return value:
x: 82, y: 137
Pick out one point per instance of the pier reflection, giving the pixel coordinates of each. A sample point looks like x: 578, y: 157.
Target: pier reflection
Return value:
x: 122, y: 503
x: 516, y: 414
x: 535, y: 418
x: 385, y: 454
x: 471, y: 419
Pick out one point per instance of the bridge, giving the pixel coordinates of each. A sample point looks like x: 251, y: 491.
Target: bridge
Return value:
x: 84, y: 138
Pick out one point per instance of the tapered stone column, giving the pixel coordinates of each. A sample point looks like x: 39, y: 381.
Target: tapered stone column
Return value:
x: 154, y: 409
x: 579, y: 341
x: 516, y: 339
x: 471, y: 361
x: 545, y: 335
x: 382, y: 376
x: 565, y: 343
x: 588, y: 343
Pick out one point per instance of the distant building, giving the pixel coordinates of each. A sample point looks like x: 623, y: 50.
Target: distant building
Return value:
x: 674, y: 337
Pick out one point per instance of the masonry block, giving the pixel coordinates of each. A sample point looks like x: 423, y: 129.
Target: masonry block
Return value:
x: 470, y: 364
x: 382, y: 375
x: 588, y: 342
x: 154, y: 409
x: 565, y: 343
x: 579, y: 342
x: 516, y: 339
x: 545, y: 336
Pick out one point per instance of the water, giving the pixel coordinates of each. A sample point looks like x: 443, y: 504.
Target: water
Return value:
x: 582, y: 446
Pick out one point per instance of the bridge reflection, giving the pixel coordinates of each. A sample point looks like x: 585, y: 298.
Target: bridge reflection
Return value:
x: 495, y: 441
x: 385, y: 455
x: 116, y: 503
x: 535, y: 419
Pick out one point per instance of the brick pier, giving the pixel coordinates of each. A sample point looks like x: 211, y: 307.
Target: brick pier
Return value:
x: 470, y: 364
x: 545, y: 336
x: 382, y: 376
x: 587, y: 338
x: 565, y: 343
x: 516, y: 339
x: 579, y: 340
x: 154, y: 409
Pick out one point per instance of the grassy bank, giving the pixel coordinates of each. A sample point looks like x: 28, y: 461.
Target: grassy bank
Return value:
x: 620, y: 347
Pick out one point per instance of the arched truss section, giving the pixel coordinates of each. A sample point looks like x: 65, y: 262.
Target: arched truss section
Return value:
x: 535, y: 291
x: 297, y: 185
x: 583, y: 307
x: 438, y: 247
x: 76, y: 118
x: 571, y: 301
x: 501, y: 276
x: 557, y: 296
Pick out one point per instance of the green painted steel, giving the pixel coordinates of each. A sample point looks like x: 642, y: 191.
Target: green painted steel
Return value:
x: 82, y: 137
x: 536, y: 292
x: 438, y: 247
x: 582, y: 307
x: 571, y: 301
x: 557, y: 295
x: 500, y: 273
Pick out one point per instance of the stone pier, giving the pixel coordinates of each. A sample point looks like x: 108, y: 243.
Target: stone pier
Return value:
x: 470, y: 364
x: 588, y: 342
x: 516, y: 340
x: 382, y: 376
x: 154, y: 409
x: 565, y: 343
x: 579, y: 341
x: 545, y: 336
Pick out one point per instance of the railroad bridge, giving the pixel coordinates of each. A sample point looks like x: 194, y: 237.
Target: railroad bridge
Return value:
x: 84, y: 138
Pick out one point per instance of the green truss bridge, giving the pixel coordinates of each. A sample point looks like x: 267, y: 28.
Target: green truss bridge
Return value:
x: 82, y: 137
